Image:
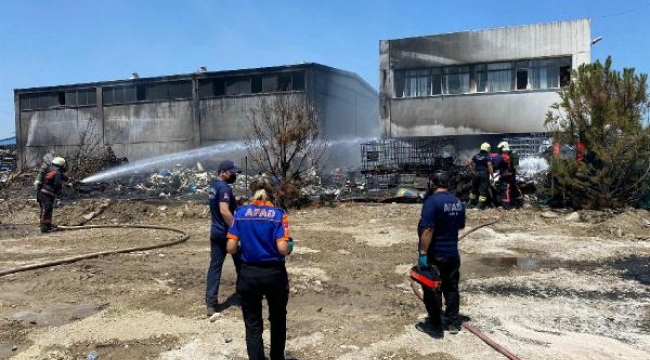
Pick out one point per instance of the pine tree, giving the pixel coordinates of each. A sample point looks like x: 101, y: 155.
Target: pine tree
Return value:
x: 603, y: 109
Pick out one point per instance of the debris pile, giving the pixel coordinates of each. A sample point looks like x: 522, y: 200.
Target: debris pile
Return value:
x: 8, y: 157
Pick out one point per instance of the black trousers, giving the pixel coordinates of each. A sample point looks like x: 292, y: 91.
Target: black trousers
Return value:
x: 481, y: 185
x: 449, y: 268
x: 46, y: 203
x: 253, y: 283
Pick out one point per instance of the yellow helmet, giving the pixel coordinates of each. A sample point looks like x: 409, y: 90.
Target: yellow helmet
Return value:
x: 503, y: 144
x: 58, y: 161
x: 485, y: 147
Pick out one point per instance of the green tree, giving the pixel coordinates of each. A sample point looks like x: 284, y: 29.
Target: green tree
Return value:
x: 286, y: 141
x: 603, y: 109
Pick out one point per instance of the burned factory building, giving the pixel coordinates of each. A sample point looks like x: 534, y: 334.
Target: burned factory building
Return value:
x: 144, y: 117
x: 478, y: 85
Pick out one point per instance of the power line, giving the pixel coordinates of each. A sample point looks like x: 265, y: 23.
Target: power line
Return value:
x: 626, y: 11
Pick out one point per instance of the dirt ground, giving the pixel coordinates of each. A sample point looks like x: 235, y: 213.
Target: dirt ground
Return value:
x: 542, y: 284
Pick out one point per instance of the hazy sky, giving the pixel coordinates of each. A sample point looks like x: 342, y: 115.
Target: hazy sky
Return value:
x: 47, y: 42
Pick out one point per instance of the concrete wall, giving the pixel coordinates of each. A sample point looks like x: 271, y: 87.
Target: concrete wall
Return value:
x: 142, y: 130
x: 520, y: 111
x: 347, y: 105
x: 56, y: 129
x: 471, y: 114
x: 225, y: 118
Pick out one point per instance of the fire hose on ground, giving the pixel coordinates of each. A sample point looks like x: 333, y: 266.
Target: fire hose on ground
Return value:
x: 505, y: 352
x: 184, y: 236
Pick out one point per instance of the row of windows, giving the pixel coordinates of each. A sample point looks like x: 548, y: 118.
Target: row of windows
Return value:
x: 47, y: 100
x: 478, y: 78
x: 124, y: 94
x: 161, y: 91
x: 256, y: 84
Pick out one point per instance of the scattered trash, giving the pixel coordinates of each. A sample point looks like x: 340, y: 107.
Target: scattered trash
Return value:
x: 92, y: 355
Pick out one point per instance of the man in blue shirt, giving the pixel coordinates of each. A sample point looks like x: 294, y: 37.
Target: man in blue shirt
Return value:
x: 222, y: 206
x: 443, y: 215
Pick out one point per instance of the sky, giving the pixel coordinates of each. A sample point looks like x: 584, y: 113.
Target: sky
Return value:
x: 56, y: 42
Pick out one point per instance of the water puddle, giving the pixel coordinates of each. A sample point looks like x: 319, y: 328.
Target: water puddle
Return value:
x: 474, y: 266
x: 56, y: 315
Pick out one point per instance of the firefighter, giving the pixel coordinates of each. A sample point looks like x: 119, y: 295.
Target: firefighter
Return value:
x: 48, y: 188
x: 483, y: 173
x: 442, y: 216
x: 508, y: 189
x: 259, y: 236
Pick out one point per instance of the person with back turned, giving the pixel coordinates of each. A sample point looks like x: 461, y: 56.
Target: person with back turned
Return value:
x: 222, y: 206
x: 48, y: 188
x: 483, y: 173
x: 259, y: 235
x: 441, y: 218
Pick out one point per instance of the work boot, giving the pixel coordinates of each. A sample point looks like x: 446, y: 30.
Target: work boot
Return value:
x: 454, y: 327
x: 428, y: 328
x: 211, y: 310
x: 481, y: 205
x: 46, y: 229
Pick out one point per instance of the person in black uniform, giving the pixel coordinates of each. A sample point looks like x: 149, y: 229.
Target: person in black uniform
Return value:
x: 442, y: 217
x: 49, y: 187
x: 259, y: 236
x: 483, y: 172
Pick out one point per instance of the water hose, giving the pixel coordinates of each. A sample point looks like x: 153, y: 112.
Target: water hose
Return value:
x: 184, y: 236
x: 417, y: 290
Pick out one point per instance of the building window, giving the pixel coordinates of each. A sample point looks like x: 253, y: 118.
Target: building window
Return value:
x: 565, y: 71
x: 480, y: 78
x: 499, y: 77
x: 436, y: 81
x: 538, y: 74
x: 417, y: 83
x: 456, y: 80
x: 545, y: 74
x: 122, y: 94
x: 45, y: 100
x: 522, y: 79
x: 238, y: 85
x: 84, y: 97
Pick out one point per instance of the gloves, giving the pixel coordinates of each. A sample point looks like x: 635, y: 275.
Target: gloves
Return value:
x: 290, y: 242
x: 423, y: 260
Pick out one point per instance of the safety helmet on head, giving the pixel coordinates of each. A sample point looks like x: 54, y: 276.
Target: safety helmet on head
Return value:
x: 439, y: 179
x: 58, y: 161
x: 502, y: 144
x: 485, y: 147
x: 505, y: 148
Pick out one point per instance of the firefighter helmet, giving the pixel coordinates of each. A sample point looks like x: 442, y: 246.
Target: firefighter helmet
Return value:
x: 485, y: 147
x: 58, y: 161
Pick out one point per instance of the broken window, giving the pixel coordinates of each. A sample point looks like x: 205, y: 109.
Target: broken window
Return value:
x: 522, y: 79
x: 436, y: 81
x: 480, y: 78
x: 284, y: 82
x: 256, y: 84
x: 565, y: 75
x: 399, y: 83
x: 298, y: 80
